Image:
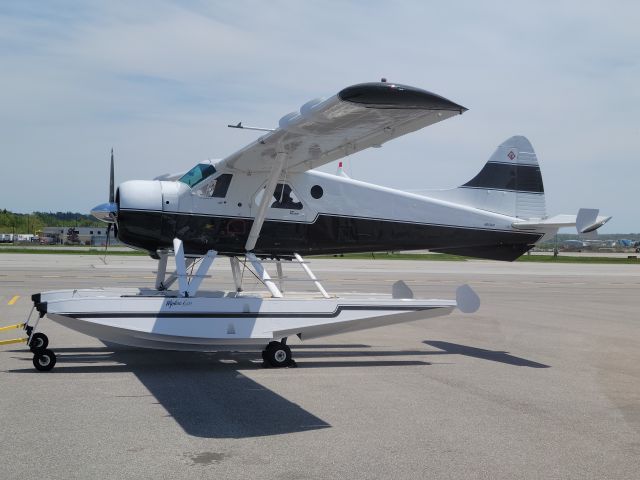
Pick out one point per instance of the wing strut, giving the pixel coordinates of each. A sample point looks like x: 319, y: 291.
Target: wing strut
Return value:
x: 267, y: 198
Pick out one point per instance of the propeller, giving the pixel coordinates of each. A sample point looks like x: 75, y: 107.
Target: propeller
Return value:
x: 108, y: 212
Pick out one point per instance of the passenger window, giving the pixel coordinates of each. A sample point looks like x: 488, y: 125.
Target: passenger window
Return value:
x: 285, y: 198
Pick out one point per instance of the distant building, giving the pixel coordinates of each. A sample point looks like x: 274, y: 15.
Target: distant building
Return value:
x: 17, y: 238
x: 94, y: 236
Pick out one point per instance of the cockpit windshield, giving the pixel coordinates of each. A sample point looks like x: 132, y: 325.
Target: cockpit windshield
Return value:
x: 197, y: 174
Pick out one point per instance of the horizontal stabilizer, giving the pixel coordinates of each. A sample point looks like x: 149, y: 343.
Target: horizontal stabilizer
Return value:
x: 591, y: 235
x: 586, y: 221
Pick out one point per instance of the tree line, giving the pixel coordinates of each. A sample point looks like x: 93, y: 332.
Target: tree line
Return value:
x: 32, y: 222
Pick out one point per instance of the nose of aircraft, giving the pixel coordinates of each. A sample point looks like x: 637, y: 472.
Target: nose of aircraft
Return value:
x: 140, y: 214
x: 141, y: 195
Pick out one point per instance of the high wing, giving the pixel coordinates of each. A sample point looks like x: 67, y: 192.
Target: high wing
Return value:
x: 358, y: 117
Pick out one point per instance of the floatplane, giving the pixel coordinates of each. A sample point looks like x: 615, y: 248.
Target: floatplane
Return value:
x: 266, y: 204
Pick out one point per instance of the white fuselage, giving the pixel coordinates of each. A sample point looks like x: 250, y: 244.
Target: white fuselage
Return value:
x: 311, y: 213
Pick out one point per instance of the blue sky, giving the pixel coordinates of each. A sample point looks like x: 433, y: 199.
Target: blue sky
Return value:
x: 159, y: 82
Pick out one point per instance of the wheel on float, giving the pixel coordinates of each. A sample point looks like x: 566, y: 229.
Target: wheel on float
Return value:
x: 277, y: 355
x: 39, y: 341
x: 44, y: 360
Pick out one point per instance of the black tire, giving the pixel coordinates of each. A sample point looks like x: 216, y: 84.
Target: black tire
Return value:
x: 278, y: 355
x: 44, y: 360
x: 39, y: 341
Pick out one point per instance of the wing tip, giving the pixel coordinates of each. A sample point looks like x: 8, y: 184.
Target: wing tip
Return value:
x: 394, y: 95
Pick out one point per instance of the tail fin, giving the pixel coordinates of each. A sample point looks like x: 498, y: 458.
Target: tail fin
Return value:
x: 510, y: 183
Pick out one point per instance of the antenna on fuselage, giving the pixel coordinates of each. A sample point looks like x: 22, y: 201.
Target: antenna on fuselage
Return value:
x: 340, y: 171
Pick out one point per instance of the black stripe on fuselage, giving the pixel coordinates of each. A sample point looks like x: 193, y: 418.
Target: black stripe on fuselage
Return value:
x: 318, y: 214
x: 328, y: 234
x: 508, y: 176
x: 333, y: 314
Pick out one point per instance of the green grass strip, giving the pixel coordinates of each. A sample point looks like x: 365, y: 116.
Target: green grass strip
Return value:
x: 456, y: 258
x: 578, y: 259
x: 398, y: 256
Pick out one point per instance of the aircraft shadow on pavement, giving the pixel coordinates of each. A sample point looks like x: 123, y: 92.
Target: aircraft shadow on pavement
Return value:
x: 492, y: 355
x: 209, y: 396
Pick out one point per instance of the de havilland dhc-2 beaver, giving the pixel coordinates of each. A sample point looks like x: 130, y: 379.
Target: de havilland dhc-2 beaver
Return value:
x: 265, y: 205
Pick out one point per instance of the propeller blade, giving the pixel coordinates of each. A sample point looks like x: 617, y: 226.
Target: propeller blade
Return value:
x: 112, y: 195
x: 106, y: 244
x: 107, y: 212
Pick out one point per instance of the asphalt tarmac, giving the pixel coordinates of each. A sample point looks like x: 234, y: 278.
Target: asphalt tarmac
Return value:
x: 542, y: 382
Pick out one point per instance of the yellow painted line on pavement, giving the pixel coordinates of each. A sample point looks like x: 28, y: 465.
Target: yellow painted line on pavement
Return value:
x: 11, y: 327
x: 13, y: 340
x: 13, y: 300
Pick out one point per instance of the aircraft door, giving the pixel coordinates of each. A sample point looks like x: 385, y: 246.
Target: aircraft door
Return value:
x: 285, y: 204
x: 285, y: 224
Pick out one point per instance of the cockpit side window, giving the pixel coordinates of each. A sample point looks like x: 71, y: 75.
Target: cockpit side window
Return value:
x: 217, y: 188
x: 197, y: 174
x: 285, y: 198
x: 222, y: 185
